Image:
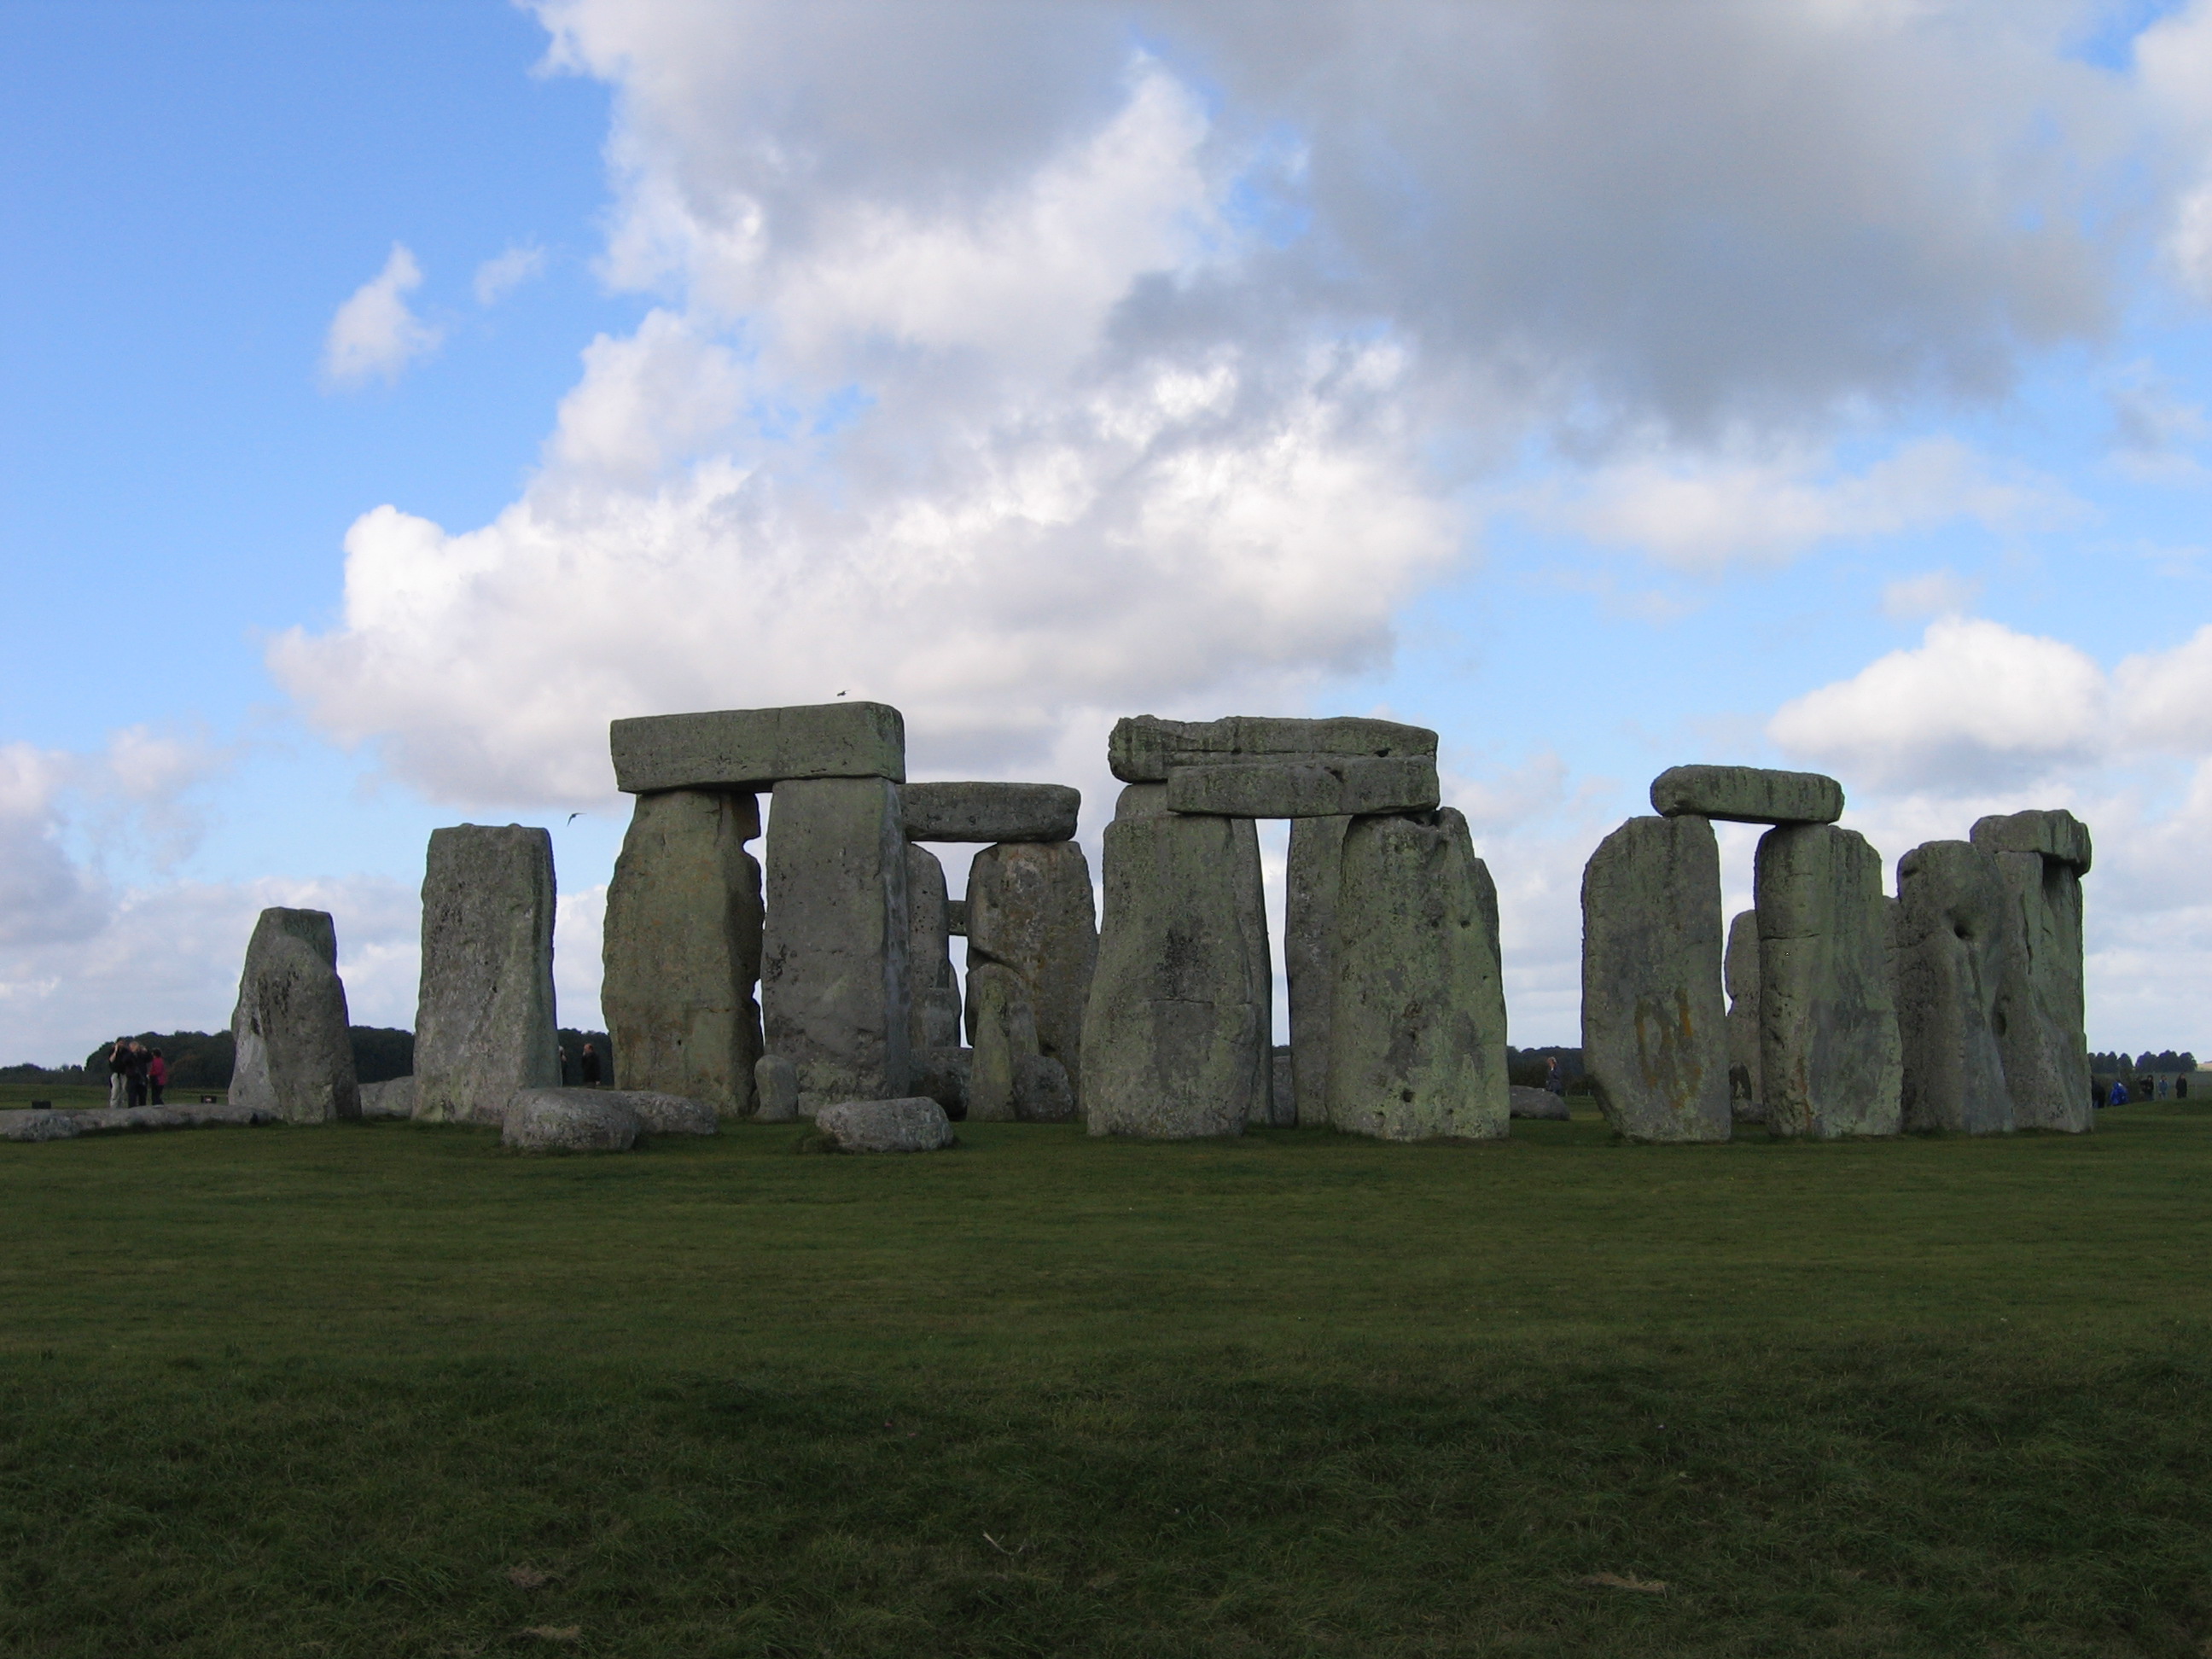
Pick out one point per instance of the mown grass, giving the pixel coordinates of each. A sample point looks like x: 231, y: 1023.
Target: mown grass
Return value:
x: 382, y: 1390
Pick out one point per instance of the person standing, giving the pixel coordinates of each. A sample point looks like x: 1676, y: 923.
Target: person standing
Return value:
x: 588, y: 1067
x: 119, y: 1075
x: 135, y: 1077
x: 157, y: 1076
x: 1555, y: 1081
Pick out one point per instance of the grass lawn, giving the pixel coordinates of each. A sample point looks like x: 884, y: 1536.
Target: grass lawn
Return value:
x: 374, y: 1389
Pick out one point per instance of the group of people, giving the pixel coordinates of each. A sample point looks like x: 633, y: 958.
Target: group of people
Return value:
x: 136, y: 1074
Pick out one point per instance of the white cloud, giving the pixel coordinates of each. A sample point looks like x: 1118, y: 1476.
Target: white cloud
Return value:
x: 1932, y: 593
x: 500, y: 276
x: 374, y: 335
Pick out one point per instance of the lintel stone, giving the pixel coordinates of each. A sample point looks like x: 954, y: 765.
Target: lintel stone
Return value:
x: 1306, y: 787
x: 1746, y: 794
x: 990, y: 812
x: 2056, y: 834
x: 756, y: 749
x: 1143, y: 746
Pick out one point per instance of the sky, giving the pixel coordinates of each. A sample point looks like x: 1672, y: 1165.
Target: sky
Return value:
x: 398, y: 391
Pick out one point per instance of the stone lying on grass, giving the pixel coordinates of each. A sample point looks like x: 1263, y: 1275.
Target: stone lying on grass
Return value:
x: 124, y: 1120
x: 911, y: 1124
x: 38, y: 1125
x: 570, y: 1120
x: 393, y: 1097
x: 1524, y: 1101
x: 659, y: 1114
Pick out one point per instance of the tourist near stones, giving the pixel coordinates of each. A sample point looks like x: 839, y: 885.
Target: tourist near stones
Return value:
x: 823, y: 985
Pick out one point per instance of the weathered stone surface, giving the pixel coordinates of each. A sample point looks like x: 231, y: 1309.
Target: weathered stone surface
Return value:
x: 956, y: 917
x: 1029, y: 909
x: 569, y: 1120
x: 2039, y: 1014
x: 1005, y: 1034
x: 911, y: 1124
x: 484, y: 1017
x: 394, y: 1097
x: 1305, y: 786
x: 1175, y: 1040
x: 1950, y: 962
x: 1316, y: 859
x: 933, y: 989
x: 942, y: 1074
x: 991, y: 812
x: 681, y: 948
x: 775, y: 1089
x: 1654, y: 1034
x: 1525, y: 1102
x: 1042, y: 1092
x: 659, y: 1114
x: 133, y: 1120
x: 756, y: 749
x: 1417, y: 1029
x: 38, y: 1125
x: 1282, y: 1091
x: 833, y: 969
x: 1742, y: 977
x: 294, y: 1056
x: 1143, y: 748
x: 1829, y: 1057
x: 2056, y: 834
x: 1746, y: 794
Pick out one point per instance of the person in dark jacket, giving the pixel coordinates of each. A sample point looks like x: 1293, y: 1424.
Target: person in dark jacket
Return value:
x: 118, y: 1074
x: 134, y: 1078
x: 588, y: 1067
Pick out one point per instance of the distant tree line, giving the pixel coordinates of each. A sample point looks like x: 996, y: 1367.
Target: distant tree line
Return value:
x: 204, y: 1060
x: 2119, y: 1064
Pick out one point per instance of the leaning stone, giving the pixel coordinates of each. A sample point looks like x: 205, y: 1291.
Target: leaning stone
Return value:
x: 1417, y: 1029
x: 756, y: 749
x: 39, y: 1126
x: 569, y: 1120
x: 659, y: 1114
x: 1043, y: 1093
x: 1524, y: 1101
x: 1143, y: 748
x: 909, y: 1125
x: 2055, y: 835
x: 991, y: 812
x: 2040, y: 1009
x: 682, y: 949
x: 1741, y: 974
x: 1316, y: 858
x: 483, y: 1022
x: 775, y: 1086
x: 1306, y: 787
x: 834, y: 989
x: 1830, y: 1061
x: 295, y: 1052
x: 1655, y: 1035
x: 1004, y: 1035
x: 394, y: 1097
x: 1950, y: 968
x: 1175, y: 1039
x: 942, y: 1074
x: 1746, y: 794
x: 1029, y: 909
x: 933, y: 1010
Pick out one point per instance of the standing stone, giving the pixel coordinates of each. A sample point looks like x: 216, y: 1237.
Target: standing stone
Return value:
x: 1006, y: 1035
x: 834, y: 968
x: 1951, y: 961
x: 485, y: 1018
x: 1176, y: 1039
x: 682, y: 949
x: 1029, y: 909
x: 2040, y: 858
x: 1654, y: 1034
x: 934, y: 1012
x: 775, y: 1087
x: 1741, y: 972
x: 1316, y: 862
x: 1417, y: 1028
x: 1829, y: 1058
x: 289, y: 1028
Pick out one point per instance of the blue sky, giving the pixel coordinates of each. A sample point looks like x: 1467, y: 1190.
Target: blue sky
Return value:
x: 399, y: 391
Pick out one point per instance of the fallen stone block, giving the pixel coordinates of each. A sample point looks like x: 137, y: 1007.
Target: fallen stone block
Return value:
x: 570, y: 1120
x: 775, y: 1087
x: 226, y: 1116
x: 1306, y: 787
x: 394, y: 1097
x: 2056, y: 834
x: 659, y: 1114
x: 1746, y: 794
x: 295, y: 1054
x: 131, y: 1119
x: 991, y: 812
x: 909, y: 1125
x: 1143, y: 748
x: 483, y: 1020
x: 38, y: 1125
x: 1540, y: 1103
x: 1950, y: 968
x: 1655, y: 1033
x: 757, y: 749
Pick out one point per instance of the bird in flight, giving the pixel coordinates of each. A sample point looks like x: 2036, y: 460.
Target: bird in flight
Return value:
x: 573, y: 817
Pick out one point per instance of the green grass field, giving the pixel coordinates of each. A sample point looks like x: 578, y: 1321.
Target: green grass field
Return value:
x: 383, y: 1389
